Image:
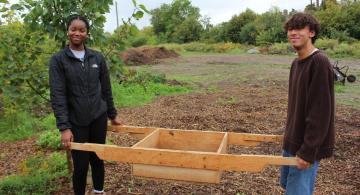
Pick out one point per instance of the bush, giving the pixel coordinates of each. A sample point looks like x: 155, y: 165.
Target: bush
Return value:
x: 224, y: 47
x: 141, y: 77
x: 356, y: 49
x: 197, y: 47
x: 208, y: 47
x: 341, y: 51
x: 50, y: 140
x: 37, y: 175
x: 280, y: 48
x: 326, y: 43
x: 48, y: 122
x: 173, y: 46
x: 139, y: 41
x: 16, y: 125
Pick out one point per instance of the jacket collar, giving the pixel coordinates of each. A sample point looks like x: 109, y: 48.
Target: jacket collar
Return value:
x: 88, y: 52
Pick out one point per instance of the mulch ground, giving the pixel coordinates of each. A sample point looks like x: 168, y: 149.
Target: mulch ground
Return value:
x: 241, y: 108
x: 257, y: 110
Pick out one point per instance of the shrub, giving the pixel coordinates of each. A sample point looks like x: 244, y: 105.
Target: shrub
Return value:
x: 37, y: 175
x: 197, y: 47
x: 48, y: 122
x: 139, y: 41
x: 50, y: 140
x: 342, y: 50
x: 326, y: 43
x: 356, y: 49
x: 280, y: 48
x: 224, y: 47
x: 214, y: 47
x: 173, y: 46
x: 16, y: 125
x: 141, y: 77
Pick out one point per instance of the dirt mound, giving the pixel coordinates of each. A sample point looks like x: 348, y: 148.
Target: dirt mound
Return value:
x: 146, y: 55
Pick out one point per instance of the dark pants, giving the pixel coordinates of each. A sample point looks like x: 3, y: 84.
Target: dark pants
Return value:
x: 94, y: 133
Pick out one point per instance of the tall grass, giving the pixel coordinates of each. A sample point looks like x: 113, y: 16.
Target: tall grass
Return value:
x: 134, y: 94
x: 21, y: 124
x: 17, y: 125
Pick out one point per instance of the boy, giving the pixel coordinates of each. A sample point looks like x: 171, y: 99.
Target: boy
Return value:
x: 309, y: 133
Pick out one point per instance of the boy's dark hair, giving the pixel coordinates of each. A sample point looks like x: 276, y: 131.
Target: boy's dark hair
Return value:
x: 301, y: 20
x: 78, y: 17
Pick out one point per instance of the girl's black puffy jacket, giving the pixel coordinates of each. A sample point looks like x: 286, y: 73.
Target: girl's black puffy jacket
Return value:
x: 80, y: 91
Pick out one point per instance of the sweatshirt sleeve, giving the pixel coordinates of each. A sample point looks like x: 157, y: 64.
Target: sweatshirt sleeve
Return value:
x: 106, y: 89
x: 318, y: 108
x: 58, y: 96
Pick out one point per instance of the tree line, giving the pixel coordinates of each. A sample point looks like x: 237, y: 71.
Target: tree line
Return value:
x: 181, y: 22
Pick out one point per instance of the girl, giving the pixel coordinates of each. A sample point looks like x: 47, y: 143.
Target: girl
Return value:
x: 82, y: 101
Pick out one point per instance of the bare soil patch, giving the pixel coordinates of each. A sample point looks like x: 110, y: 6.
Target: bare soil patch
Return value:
x: 146, y: 55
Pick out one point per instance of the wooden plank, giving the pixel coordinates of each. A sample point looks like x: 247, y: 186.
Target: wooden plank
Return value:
x: 185, y: 159
x: 139, y: 132
x: 248, y: 139
x: 242, y: 139
x: 190, y: 140
x: 174, y: 173
x: 150, y: 141
x: 180, y: 140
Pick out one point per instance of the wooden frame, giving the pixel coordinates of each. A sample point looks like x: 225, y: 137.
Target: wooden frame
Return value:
x: 188, y: 155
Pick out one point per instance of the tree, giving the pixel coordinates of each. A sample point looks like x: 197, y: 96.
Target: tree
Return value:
x: 340, y: 20
x: 270, y: 27
x: 189, y: 30
x: 51, y: 16
x: 236, y: 23
x: 24, y: 75
x: 170, y: 19
x: 248, y: 33
x: 27, y: 47
x: 215, y: 34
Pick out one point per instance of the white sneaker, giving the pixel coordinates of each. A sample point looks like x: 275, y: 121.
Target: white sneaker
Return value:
x: 99, y: 192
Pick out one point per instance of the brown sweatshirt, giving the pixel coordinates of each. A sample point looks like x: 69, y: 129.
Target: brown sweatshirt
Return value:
x: 309, y: 131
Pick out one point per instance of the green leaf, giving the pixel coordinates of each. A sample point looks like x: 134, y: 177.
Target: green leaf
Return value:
x: 97, y: 15
x: 4, y: 1
x: 142, y: 6
x: 134, y: 2
x: 4, y: 9
x: 16, y: 7
x: 138, y: 15
x: 133, y: 29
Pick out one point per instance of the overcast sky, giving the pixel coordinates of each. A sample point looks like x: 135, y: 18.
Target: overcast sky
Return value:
x: 217, y: 10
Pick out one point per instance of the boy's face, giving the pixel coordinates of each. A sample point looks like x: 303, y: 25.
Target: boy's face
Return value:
x: 299, y: 38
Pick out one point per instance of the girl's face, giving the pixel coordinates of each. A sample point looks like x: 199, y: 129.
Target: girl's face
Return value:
x: 77, y: 32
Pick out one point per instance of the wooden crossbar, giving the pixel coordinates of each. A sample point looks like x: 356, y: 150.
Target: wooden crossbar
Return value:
x: 184, y: 159
x: 187, y: 155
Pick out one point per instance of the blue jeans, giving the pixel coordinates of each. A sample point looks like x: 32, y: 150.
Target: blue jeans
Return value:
x: 298, y: 181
